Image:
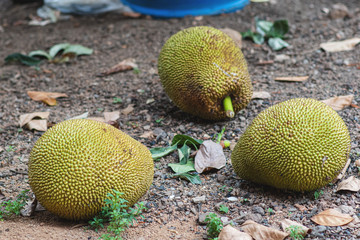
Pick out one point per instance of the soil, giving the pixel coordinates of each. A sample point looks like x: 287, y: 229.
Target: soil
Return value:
x: 172, y: 214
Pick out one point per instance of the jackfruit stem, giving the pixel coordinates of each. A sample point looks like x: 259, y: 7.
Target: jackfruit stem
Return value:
x: 228, y: 107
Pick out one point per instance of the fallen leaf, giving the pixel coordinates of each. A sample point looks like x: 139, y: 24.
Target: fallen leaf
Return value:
x: 357, y: 163
x: 343, y: 171
x: 37, y: 124
x: 210, y: 155
x: 111, y: 116
x: 286, y: 223
x: 300, y: 207
x: 231, y: 233
x: 331, y: 217
x: 340, y: 102
x: 47, y: 97
x: 26, y: 118
x: 354, y: 105
x: 338, y: 46
x: 147, y: 134
x: 235, y: 35
x: 350, y: 184
x: 292, y: 79
x: 260, y: 232
x: 260, y: 95
x: 150, y: 100
x: 128, y: 109
x: 127, y: 64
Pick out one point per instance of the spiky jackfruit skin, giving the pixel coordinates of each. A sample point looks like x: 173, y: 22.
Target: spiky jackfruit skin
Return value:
x: 199, y: 67
x: 300, y: 144
x: 76, y: 163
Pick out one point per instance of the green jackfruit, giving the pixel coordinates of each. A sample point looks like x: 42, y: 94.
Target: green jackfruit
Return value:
x: 76, y: 163
x: 300, y: 144
x: 199, y: 67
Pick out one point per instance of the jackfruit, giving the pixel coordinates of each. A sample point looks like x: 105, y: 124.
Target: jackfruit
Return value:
x: 301, y: 144
x: 76, y: 163
x: 199, y: 67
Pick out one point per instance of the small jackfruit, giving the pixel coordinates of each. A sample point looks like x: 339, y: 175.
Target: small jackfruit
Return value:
x: 300, y: 144
x: 199, y: 67
x: 76, y: 163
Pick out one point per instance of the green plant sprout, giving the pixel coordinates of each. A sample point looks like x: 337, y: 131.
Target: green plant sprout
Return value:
x: 10, y: 148
x: 223, y: 208
x: 270, y: 211
x: 317, y: 194
x: 117, y: 100
x: 214, y: 225
x: 13, y: 207
x: 295, y: 232
x: 117, y: 214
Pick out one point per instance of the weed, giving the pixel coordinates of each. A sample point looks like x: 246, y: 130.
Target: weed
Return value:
x: 317, y: 194
x: 10, y: 148
x: 223, y: 208
x: 136, y: 70
x: 117, y: 100
x: 117, y: 213
x: 9, y: 208
x: 270, y: 211
x: 295, y: 232
x: 159, y: 120
x: 214, y: 225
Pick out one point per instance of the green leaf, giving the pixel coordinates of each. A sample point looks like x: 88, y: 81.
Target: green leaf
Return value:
x: 54, y: 50
x: 277, y: 43
x: 263, y: 27
x: 255, y: 37
x: 40, y: 53
x: 193, y: 178
x: 182, y: 168
x: 24, y: 59
x: 159, y: 152
x: 184, y: 139
x: 184, y: 153
x: 78, y: 50
x: 279, y: 29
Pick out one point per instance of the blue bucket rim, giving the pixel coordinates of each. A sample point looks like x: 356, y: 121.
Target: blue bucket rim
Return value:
x: 171, y: 13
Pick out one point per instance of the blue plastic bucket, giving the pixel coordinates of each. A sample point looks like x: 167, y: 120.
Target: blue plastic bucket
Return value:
x: 181, y: 8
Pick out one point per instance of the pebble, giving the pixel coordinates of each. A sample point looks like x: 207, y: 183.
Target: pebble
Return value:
x: 256, y: 217
x: 345, y: 209
x: 202, y: 217
x: 257, y: 209
x: 200, y: 199
x: 233, y: 199
x: 182, y: 128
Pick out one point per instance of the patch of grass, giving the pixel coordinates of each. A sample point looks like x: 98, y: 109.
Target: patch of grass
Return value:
x: 295, y: 232
x: 318, y: 194
x: 10, y: 148
x: 117, y: 100
x: 13, y: 207
x: 223, y: 208
x: 117, y: 214
x: 214, y: 225
x: 270, y: 211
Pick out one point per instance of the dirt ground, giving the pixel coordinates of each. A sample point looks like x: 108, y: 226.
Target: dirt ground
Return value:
x: 172, y: 214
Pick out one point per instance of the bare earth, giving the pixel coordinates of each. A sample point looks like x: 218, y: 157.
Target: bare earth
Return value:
x: 114, y: 37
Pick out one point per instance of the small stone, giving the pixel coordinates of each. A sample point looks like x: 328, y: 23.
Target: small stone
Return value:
x: 200, y: 199
x: 221, y: 178
x: 233, y: 199
x: 257, y: 209
x: 281, y: 58
x: 202, y: 217
x: 345, y: 209
x: 225, y: 220
x: 319, y: 229
x: 182, y: 128
x: 256, y: 217
x: 339, y: 10
x: 193, y: 210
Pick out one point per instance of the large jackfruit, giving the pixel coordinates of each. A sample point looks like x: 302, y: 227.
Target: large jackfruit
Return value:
x: 301, y: 144
x: 199, y: 67
x: 76, y: 163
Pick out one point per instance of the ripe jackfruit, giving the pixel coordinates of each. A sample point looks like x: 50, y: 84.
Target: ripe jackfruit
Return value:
x: 199, y: 67
x: 301, y: 144
x: 76, y: 163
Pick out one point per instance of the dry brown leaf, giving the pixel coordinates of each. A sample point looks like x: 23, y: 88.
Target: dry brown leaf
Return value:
x: 331, y: 217
x: 350, y: 184
x: 338, y: 46
x: 128, y: 109
x: 261, y: 95
x: 286, y: 223
x: 111, y: 116
x: 210, y: 155
x: 235, y: 35
x: 147, y: 134
x: 47, y: 97
x: 38, y: 124
x: 340, y: 102
x: 300, y: 207
x: 357, y: 163
x: 343, y: 171
x: 127, y: 64
x: 26, y: 118
x: 231, y: 233
x: 260, y: 232
x: 292, y: 79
